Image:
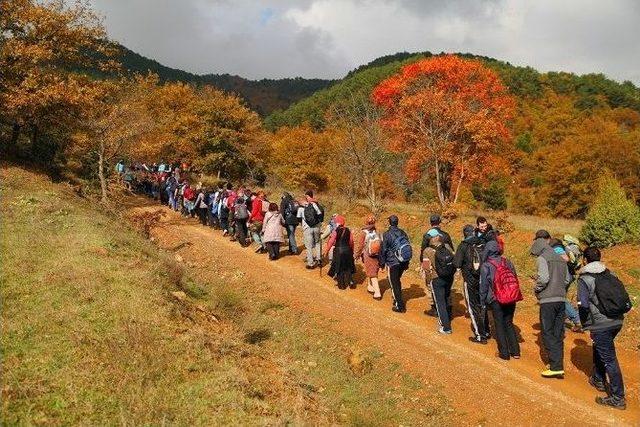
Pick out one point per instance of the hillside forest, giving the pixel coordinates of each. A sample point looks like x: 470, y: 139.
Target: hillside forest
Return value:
x: 450, y: 130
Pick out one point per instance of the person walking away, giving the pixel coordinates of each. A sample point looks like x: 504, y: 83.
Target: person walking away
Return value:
x: 395, y: 255
x: 342, y: 265
x: 289, y: 210
x: 189, y: 200
x: 435, y: 229
x: 468, y: 260
x: 172, y: 185
x: 223, y: 213
x: 550, y: 289
x: 602, y: 304
x: 201, y: 206
x: 256, y: 220
x: 241, y: 216
x: 442, y: 280
x: 213, y: 202
x: 570, y: 312
x: 500, y: 291
x: 272, y: 231
x: 368, y: 245
x: 231, y: 203
x: 311, y: 215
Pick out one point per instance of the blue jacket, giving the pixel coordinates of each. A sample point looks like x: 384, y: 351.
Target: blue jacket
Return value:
x: 488, y: 271
x: 387, y: 256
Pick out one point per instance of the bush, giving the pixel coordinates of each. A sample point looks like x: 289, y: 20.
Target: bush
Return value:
x: 494, y: 196
x: 612, y: 218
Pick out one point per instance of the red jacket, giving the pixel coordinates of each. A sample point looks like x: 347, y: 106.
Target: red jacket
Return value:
x: 256, y: 211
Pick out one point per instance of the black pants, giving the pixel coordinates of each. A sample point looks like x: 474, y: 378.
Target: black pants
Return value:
x: 552, y: 326
x: 441, y: 290
x: 274, y: 249
x: 605, y: 361
x: 202, y: 215
x: 242, y: 231
x: 479, y: 316
x: 504, y: 331
x: 212, y: 219
x: 394, y: 274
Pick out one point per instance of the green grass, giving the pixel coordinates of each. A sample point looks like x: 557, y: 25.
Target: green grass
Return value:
x: 91, y: 335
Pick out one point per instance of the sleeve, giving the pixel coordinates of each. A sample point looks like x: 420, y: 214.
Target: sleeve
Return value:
x: 484, y: 284
x: 450, y: 242
x: 351, y: 240
x: 458, y: 259
x: 359, y: 244
x: 300, y: 212
x: 423, y: 246
x: 330, y: 243
x: 383, y: 251
x: 568, y: 278
x: 542, y: 279
x: 317, y: 209
x: 583, y: 301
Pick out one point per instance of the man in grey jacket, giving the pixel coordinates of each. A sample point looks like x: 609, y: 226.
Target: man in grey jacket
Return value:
x: 603, y: 332
x: 552, y: 280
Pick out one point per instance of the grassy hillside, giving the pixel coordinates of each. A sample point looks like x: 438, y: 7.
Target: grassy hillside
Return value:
x: 264, y: 96
x: 99, y: 327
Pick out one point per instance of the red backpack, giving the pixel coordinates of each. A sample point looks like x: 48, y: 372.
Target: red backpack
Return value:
x: 506, y: 288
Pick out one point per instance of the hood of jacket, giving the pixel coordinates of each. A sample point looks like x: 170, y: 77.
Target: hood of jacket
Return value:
x: 491, y: 250
x: 595, y: 267
x: 539, y: 247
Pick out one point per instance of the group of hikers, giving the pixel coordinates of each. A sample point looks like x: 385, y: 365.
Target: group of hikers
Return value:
x: 490, y: 282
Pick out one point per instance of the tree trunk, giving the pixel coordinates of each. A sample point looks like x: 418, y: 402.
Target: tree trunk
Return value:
x: 439, y: 184
x: 103, y: 180
x: 34, y: 142
x: 455, y: 198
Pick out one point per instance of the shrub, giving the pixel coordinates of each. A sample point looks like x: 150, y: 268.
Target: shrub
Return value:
x: 494, y: 196
x: 612, y: 218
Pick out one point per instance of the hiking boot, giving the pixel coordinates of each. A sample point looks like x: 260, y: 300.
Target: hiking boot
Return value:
x: 431, y: 312
x: 613, y: 401
x: 552, y: 374
x: 477, y: 340
x: 398, y: 310
x: 310, y: 267
x: 444, y: 331
x: 598, y: 385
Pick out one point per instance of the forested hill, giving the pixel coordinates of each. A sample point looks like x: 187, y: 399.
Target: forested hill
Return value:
x: 587, y: 92
x: 264, y: 96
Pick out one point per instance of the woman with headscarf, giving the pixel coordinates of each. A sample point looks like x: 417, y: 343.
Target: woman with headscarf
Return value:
x: 368, y: 246
x: 342, y: 265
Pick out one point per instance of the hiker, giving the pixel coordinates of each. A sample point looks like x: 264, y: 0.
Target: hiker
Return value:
x: 395, y: 255
x: 367, y: 250
x: 231, y: 203
x: 442, y: 273
x: 498, y: 279
x: 342, y: 265
x: 272, y: 231
x: 570, y: 312
x: 311, y: 215
x: 551, y: 280
x: 201, y: 206
x: 289, y: 210
x: 223, y: 212
x: 256, y: 219
x: 241, y: 216
x: 602, y: 302
x: 468, y: 259
x: 435, y: 229
x: 326, y: 233
x: 213, y: 202
x: 120, y: 167
x: 486, y: 233
x: 172, y: 185
x: 189, y: 197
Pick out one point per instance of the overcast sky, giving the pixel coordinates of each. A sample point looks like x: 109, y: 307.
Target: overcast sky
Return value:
x: 327, y: 38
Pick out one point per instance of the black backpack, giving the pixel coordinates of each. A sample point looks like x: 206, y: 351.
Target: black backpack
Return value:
x: 311, y: 217
x: 291, y: 212
x: 444, y: 262
x: 613, y: 298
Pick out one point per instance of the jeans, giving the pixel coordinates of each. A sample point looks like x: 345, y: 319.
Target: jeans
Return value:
x: 571, y: 313
x: 312, y: 243
x: 291, y: 235
x: 441, y: 291
x: 552, y: 326
x: 605, y: 361
x: 256, y: 231
x: 504, y: 331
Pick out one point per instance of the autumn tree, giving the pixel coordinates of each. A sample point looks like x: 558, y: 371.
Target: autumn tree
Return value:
x: 41, y: 43
x: 450, y: 115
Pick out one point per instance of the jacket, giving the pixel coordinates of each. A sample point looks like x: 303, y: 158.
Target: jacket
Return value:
x: 463, y: 259
x: 272, y: 227
x: 553, y: 276
x: 590, y: 316
x: 387, y: 254
x: 488, y: 271
x: 426, y: 239
x: 289, y: 209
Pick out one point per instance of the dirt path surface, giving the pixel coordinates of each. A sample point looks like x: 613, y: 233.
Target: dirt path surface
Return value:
x: 482, y: 388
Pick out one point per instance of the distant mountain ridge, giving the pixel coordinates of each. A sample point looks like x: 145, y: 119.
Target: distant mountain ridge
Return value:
x: 264, y: 96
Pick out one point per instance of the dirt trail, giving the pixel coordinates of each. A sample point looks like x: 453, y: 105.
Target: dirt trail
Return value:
x: 482, y: 388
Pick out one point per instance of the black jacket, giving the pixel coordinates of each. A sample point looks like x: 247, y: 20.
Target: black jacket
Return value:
x: 464, y: 260
x: 426, y: 240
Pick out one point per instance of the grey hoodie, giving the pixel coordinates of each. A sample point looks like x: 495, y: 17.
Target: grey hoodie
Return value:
x: 553, y: 276
x: 588, y: 301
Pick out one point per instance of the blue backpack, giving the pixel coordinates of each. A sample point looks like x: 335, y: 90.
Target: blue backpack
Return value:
x: 402, y: 248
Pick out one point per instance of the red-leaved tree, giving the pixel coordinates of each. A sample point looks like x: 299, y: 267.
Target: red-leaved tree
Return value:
x: 450, y: 115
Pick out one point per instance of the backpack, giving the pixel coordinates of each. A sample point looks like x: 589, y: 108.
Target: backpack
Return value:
x: 574, y: 252
x: 291, y: 212
x: 403, y: 251
x: 373, y: 243
x: 241, y: 211
x: 506, y: 287
x: 311, y: 217
x: 189, y: 194
x: 613, y: 299
x: 444, y: 262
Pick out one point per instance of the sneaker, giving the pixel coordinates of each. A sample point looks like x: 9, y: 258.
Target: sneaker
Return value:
x: 477, y: 340
x: 377, y: 298
x: 614, y: 402
x: 552, y: 374
x: 445, y: 331
x: 598, y: 385
x: 398, y: 310
x: 310, y: 267
x: 224, y: 233
x: 487, y: 336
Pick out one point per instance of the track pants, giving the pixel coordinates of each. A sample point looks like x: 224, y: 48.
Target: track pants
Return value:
x: 394, y: 274
x: 552, y: 326
x: 441, y: 291
x: 479, y: 316
x: 605, y: 361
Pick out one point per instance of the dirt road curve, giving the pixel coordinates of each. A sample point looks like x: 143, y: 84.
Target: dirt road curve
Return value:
x: 482, y: 388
